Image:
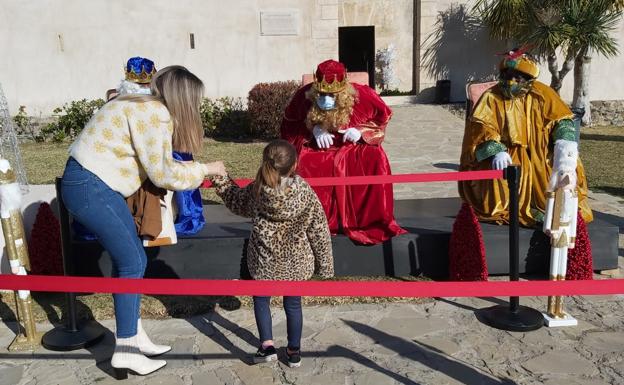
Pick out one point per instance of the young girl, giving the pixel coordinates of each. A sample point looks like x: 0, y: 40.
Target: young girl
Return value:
x: 289, y: 240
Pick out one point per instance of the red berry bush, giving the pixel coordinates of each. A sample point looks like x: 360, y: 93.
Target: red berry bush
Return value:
x: 266, y: 104
x: 44, y: 248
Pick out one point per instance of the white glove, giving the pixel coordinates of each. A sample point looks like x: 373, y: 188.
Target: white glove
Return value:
x: 351, y: 134
x: 501, y: 161
x: 323, y: 138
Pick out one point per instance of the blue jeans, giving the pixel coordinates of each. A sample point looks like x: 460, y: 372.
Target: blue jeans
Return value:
x: 294, y: 319
x: 104, y: 212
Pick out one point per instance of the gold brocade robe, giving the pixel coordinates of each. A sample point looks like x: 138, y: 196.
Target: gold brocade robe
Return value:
x: 525, y: 125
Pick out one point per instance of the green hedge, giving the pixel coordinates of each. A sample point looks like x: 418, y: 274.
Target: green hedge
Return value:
x: 71, y: 119
x: 225, y: 117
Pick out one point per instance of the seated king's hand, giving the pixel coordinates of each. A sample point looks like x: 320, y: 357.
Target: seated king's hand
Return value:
x: 501, y: 161
x: 352, y: 134
x: 323, y: 138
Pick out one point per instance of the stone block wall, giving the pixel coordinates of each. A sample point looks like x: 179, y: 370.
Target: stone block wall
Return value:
x: 608, y: 112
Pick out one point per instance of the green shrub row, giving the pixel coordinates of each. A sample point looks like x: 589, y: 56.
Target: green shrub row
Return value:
x: 226, y: 117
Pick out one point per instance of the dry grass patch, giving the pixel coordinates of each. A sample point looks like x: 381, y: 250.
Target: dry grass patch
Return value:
x: 602, y: 152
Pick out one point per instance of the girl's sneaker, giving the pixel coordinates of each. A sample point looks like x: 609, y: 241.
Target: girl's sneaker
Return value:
x: 267, y: 354
x: 294, y: 359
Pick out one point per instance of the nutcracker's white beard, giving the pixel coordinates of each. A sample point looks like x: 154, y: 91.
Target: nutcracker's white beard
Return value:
x: 564, y: 162
x: 128, y: 87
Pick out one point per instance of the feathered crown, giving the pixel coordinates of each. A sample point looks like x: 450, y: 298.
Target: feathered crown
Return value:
x: 140, y: 70
x: 518, y: 60
x: 330, y: 77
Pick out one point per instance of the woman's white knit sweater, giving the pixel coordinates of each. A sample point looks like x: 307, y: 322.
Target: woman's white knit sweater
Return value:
x: 126, y: 142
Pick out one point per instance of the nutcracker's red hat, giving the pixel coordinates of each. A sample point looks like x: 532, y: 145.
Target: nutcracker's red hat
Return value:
x: 330, y: 77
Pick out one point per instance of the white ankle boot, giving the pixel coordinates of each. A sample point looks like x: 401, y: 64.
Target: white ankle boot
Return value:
x: 146, y: 346
x: 128, y: 358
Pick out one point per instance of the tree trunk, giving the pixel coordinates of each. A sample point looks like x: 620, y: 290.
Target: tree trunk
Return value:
x: 553, y: 67
x: 557, y: 75
x: 581, y: 85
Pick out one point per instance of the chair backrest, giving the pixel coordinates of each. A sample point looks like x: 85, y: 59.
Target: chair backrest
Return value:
x: 474, y: 91
x: 354, y: 77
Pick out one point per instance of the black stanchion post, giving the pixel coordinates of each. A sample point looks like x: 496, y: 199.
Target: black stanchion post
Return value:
x: 70, y: 336
x: 513, y: 317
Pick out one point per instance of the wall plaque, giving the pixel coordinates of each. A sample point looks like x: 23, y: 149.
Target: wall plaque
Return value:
x: 279, y: 23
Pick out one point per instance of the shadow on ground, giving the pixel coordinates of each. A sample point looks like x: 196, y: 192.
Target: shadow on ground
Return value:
x: 427, y: 356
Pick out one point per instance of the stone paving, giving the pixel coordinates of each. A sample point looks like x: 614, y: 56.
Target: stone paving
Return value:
x: 437, y: 342
x: 424, y: 138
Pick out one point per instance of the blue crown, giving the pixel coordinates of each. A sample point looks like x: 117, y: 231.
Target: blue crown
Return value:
x: 140, y: 70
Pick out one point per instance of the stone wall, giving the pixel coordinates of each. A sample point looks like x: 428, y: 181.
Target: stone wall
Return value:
x: 608, y: 112
x: 64, y: 50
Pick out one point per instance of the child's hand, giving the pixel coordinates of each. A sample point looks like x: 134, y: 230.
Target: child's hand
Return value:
x: 215, y: 168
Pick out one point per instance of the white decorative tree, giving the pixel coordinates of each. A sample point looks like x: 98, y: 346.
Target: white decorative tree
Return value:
x: 386, y: 79
x: 9, y: 145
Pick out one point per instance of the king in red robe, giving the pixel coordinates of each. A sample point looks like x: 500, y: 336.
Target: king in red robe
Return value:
x: 337, y: 128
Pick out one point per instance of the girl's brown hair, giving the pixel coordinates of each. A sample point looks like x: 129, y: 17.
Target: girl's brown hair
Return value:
x: 182, y: 93
x: 279, y: 159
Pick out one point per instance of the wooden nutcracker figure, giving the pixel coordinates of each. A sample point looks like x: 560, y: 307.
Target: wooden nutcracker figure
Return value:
x: 17, y: 251
x: 560, y: 223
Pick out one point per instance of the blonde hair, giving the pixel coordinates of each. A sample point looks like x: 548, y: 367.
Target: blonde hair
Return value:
x: 181, y: 92
x: 279, y: 159
x: 331, y: 120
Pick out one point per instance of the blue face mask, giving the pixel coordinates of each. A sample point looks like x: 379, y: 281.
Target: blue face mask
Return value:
x: 326, y: 102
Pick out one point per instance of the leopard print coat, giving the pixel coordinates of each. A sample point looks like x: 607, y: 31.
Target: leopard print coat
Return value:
x: 290, y: 239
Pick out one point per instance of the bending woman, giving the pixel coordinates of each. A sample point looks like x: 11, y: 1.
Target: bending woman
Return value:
x: 127, y: 141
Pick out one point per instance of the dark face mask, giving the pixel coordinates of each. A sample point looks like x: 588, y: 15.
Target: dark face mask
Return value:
x: 513, y: 89
x: 514, y: 84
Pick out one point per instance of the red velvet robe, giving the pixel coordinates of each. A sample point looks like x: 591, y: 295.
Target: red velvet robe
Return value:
x: 364, y: 213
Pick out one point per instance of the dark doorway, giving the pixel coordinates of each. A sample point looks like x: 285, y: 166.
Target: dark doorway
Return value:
x: 356, y: 50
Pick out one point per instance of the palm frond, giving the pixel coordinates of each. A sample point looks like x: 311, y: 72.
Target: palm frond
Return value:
x: 592, y: 23
x: 505, y: 19
x: 548, y: 32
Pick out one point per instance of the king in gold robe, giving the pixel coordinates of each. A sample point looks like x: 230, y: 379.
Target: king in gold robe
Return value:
x: 527, y: 128
x: 516, y: 122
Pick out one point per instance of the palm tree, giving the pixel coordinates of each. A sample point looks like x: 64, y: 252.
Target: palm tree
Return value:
x: 575, y: 28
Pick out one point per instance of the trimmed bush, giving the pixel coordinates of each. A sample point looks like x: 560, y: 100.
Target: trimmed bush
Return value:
x: 25, y: 125
x: 266, y: 103
x: 224, y: 117
x: 74, y: 117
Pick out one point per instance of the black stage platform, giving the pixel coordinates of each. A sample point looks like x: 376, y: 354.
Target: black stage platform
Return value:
x: 217, y: 251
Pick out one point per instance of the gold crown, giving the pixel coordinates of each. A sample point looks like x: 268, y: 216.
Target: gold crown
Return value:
x: 7, y: 177
x: 522, y: 64
x: 141, y: 78
x: 330, y: 88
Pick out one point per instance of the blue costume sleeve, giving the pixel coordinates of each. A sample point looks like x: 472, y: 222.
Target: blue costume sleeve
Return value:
x: 190, y: 219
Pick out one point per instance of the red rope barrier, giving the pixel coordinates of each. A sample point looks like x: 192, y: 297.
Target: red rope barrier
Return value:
x: 383, y: 179
x: 309, y: 288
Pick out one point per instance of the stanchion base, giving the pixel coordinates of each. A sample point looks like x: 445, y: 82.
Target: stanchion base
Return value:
x: 552, y: 322
x: 22, y: 343
x: 523, y: 320
x: 63, y: 339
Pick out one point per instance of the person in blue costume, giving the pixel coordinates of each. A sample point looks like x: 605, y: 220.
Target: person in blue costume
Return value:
x: 190, y: 217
